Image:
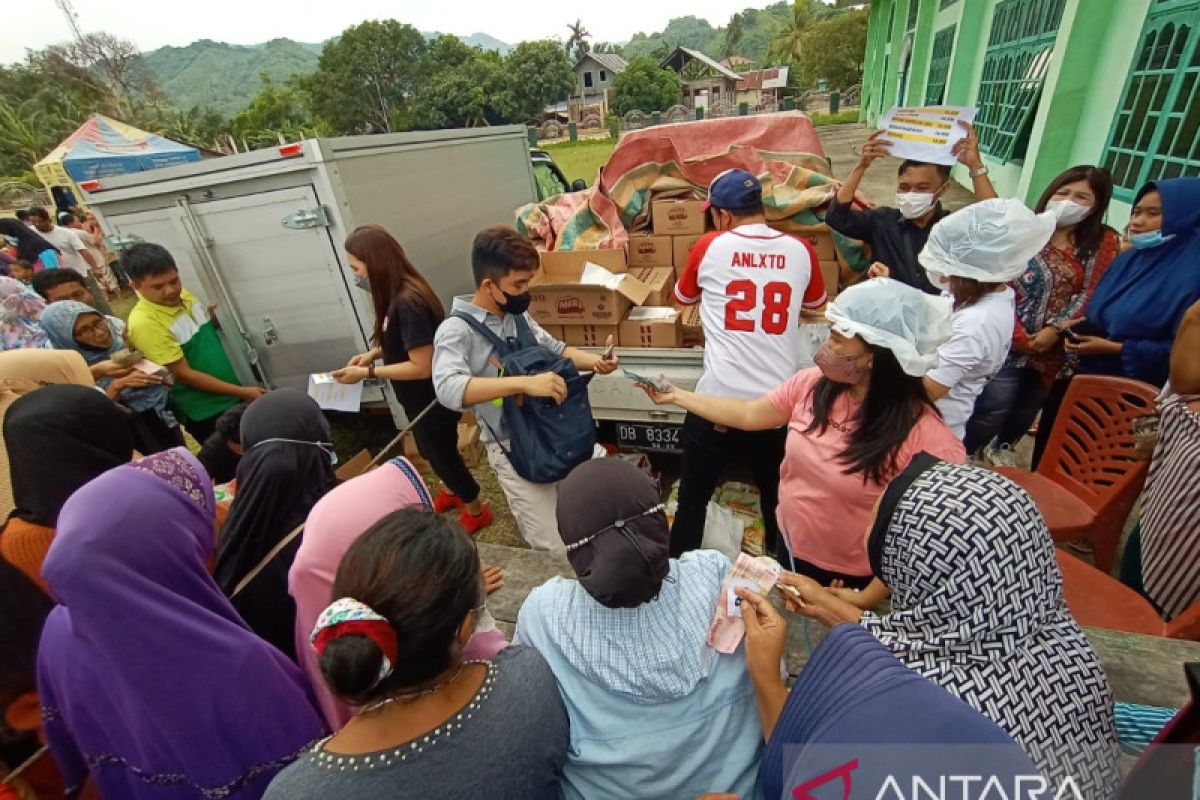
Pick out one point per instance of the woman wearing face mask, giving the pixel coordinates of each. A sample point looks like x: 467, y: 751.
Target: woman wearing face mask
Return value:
x: 1133, y: 315
x: 287, y: 467
x: 854, y: 421
x: 1053, y: 290
x: 975, y: 252
x: 407, y: 314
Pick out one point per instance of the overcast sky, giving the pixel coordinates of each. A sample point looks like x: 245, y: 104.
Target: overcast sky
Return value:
x: 154, y: 24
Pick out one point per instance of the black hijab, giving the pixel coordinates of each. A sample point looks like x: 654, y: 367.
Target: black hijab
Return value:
x: 611, y: 518
x: 30, y: 244
x: 23, y: 610
x: 58, y: 438
x: 278, y: 484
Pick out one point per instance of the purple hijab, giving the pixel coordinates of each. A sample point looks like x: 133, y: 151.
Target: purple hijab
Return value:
x: 149, y: 680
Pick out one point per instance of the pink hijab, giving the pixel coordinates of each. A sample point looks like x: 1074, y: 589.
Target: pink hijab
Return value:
x: 334, y: 523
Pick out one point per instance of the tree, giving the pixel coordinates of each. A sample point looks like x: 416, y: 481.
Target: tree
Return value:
x: 577, y: 43
x: 833, y: 49
x: 365, y: 77
x: 733, y: 34
x: 468, y: 95
x: 646, y: 87
x: 118, y: 61
x: 537, y: 74
x: 609, y: 47
x: 788, y: 43
x: 275, y: 110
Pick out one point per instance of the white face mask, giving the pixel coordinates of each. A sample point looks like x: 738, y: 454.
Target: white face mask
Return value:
x: 914, y: 204
x: 1068, y: 212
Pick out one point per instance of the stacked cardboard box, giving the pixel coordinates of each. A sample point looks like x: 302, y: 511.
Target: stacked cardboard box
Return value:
x: 821, y: 240
x: 652, y: 326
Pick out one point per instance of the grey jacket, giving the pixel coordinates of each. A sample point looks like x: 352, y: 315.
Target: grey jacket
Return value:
x: 459, y: 354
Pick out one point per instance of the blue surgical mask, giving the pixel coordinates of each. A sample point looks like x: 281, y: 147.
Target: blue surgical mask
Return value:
x: 325, y: 447
x: 1144, y: 241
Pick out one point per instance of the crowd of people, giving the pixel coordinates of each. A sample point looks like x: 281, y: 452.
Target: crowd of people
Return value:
x: 316, y: 636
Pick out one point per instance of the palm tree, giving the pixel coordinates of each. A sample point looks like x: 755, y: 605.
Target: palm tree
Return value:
x: 578, y: 39
x: 733, y: 34
x: 788, y: 42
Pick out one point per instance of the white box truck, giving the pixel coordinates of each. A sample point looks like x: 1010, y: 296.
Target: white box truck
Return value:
x: 259, y: 236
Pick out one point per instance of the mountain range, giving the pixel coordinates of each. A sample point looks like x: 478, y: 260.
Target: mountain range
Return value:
x: 225, y: 76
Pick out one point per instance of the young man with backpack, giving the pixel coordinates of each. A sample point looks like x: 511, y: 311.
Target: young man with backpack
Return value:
x: 523, y: 385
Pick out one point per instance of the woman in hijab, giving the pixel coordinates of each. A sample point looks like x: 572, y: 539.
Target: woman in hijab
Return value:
x: 74, y: 326
x: 651, y: 704
x: 151, y: 684
x: 977, y: 606
x: 286, y: 468
x: 20, y: 316
x: 21, y: 372
x: 30, y: 245
x: 335, y: 523
x: 58, y: 438
x: 853, y: 692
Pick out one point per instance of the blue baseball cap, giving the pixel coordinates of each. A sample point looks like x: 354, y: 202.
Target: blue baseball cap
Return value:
x: 734, y: 190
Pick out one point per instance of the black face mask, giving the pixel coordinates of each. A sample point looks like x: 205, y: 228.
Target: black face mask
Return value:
x: 514, y: 303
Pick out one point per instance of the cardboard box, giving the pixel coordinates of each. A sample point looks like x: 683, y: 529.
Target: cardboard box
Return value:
x: 354, y: 467
x: 831, y: 273
x: 677, y: 217
x: 554, y: 330
x: 558, y: 298
x: 650, y: 251
x: 682, y: 245
x: 469, y: 446
x: 572, y: 261
x: 819, y: 237
x: 651, y: 326
x: 590, y: 335
x: 661, y: 281
x: 692, y: 330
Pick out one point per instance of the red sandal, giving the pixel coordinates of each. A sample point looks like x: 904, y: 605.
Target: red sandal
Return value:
x: 445, y: 501
x: 474, y: 522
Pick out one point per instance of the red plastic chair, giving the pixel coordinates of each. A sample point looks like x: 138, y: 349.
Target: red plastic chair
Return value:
x: 1088, y: 478
x: 1098, y: 600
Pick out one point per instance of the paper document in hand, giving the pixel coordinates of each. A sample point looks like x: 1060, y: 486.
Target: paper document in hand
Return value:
x: 333, y: 396
x: 727, y: 629
x: 926, y: 133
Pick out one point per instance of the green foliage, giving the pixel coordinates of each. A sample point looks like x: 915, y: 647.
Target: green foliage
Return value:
x: 538, y: 73
x: 207, y: 73
x: 274, y: 110
x: 581, y: 159
x: 364, y: 79
x: 646, y: 86
x: 758, y: 27
x: 464, y: 92
x: 832, y: 49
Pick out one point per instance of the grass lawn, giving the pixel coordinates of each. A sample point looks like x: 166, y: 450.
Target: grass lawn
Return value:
x: 581, y: 159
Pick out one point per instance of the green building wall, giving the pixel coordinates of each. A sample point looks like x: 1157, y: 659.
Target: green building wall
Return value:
x: 1093, y: 51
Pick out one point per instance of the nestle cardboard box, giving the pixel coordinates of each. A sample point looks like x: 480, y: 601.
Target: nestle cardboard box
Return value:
x: 677, y: 217
x: 693, y: 331
x: 590, y: 335
x: 831, y: 273
x: 560, y: 297
x: 682, y: 245
x: 572, y: 261
x: 661, y: 281
x: 652, y: 326
x: 650, y: 251
x: 819, y: 237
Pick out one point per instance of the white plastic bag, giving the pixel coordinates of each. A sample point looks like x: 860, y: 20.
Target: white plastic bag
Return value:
x: 722, y: 532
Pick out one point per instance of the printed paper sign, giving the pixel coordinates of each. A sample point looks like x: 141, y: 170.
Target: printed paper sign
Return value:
x: 333, y: 396
x: 926, y: 133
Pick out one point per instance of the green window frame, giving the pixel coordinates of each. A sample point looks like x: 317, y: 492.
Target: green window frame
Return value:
x: 939, y: 66
x: 911, y: 24
x: 1020, y: 46
x: 944, y: 4
x: 1156, y: 130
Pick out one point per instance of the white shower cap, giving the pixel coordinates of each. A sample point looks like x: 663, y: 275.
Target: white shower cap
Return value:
x: 990, y: 241
x: 890, y: 314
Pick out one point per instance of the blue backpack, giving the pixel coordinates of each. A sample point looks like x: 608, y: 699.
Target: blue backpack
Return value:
x: 546, y: 440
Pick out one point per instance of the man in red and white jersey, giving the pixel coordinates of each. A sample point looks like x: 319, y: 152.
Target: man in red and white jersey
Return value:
x: 752, y: 283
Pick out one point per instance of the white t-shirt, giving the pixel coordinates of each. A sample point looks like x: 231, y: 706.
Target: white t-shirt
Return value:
x: 70, y: 245
x: 974, y: 353
x: 751, y: 283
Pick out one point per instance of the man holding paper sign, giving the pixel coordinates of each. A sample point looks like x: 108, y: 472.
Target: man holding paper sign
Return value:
x: 897, y: 234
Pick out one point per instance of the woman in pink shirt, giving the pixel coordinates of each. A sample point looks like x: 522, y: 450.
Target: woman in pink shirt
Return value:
x: 854, y: 422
